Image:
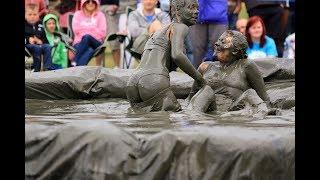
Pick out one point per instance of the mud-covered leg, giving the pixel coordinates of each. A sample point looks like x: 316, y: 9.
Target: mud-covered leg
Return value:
x: 133, y: 95
x: 250, y: 100
x: 170, y: 102
x: 203, y: 100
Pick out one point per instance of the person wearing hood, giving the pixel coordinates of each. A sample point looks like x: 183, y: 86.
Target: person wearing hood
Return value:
x: 90, y: 29
x: 59, y: 50
x: 147, y: 19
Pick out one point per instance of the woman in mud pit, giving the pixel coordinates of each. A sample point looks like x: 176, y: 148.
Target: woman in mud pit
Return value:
x: 148, y: 89
x: 233, y: 75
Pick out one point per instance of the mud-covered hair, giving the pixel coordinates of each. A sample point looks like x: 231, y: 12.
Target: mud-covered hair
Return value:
x: 175, y: 6
x: 239, y: 44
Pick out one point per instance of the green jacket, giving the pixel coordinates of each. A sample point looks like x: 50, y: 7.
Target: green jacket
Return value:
x: 59, y: 52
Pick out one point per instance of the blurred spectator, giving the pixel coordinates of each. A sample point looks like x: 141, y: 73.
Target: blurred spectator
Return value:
x: 89, y: 27
x: 260, y: 45
x: 65, y: 8
x: 290, y: 26
x: 212, y: 22
x: 43, y: 10
x: 35, y: 39
x: 147, y: 19
x: 165, y: 5
x: 241, y: 25
x: 271, y: 11
x: 234, y: 7
x: 59, y: 51
x: 110, y: 8
x: 289, y: 47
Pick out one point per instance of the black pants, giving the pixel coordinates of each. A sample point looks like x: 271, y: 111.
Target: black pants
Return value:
x: 271, y: 16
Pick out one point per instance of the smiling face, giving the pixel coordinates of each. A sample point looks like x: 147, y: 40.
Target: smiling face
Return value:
x: 189, y: 13
x: 256, y: 30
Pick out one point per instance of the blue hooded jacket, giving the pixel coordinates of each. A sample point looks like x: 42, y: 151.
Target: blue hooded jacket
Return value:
x: 213, y: 11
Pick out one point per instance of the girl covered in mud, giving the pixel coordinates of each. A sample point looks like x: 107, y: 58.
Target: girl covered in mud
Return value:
x: 233, y: 75
x: 148, y: 88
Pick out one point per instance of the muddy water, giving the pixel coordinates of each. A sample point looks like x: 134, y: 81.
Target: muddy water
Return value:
x: 117, y: 112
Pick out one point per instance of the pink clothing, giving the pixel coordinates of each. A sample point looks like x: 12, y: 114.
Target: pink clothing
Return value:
x: 94, y: 25
x: 63, y: 19
x: 40, y: 3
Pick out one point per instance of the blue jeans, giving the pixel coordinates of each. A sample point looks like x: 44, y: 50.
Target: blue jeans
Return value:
x: 85, y: 49
x: 37, y: 50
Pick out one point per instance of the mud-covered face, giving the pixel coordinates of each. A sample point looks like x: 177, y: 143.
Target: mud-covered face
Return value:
x: 223, y: 48
x: 51, y: 25
x: 189, y: 13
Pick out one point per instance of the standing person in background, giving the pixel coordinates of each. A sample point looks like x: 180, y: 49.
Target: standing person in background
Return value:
x: 110, y: 8
x: 234, y: 7
x: 271, y: 12
x: 90, y: 29
x: 43, y: 10
x: 212, y: 22
x: 260, y: 45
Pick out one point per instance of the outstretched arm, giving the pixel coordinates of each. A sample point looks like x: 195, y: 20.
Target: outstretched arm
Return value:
x: 256, y: 81
x: 177, y: 36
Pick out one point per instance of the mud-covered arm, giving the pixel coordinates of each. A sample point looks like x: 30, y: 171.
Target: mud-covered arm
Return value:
x: 178, y: 34
x: 255, y: 80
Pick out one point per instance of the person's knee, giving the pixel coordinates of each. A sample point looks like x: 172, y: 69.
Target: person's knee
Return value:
x: 86, y: 37
x: 46, y: 47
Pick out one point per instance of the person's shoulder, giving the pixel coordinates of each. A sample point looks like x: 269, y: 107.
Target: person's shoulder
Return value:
x: 77, y: 13
x: 180, y: 26
x: 100, y: 13
x: 269, y: 40
x: 247, y: 62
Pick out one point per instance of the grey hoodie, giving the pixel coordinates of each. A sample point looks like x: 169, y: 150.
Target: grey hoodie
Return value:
x: 137, y: 22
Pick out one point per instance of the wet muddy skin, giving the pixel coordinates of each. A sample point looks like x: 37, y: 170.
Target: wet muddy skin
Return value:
x: 143, y: 124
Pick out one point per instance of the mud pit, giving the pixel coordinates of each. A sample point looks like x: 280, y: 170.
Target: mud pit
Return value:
x: 98, y: 138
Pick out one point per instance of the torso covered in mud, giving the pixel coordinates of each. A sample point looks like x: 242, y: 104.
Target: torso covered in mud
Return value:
x: 157, y: 51
x: 228, y: 80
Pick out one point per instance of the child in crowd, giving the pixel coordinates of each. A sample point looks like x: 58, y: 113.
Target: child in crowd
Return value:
x: 260, y: 45
x: 35, y: 39
x: 59, y: 50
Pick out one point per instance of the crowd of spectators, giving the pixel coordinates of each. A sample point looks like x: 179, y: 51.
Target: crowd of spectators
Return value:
x: 269, y: 28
